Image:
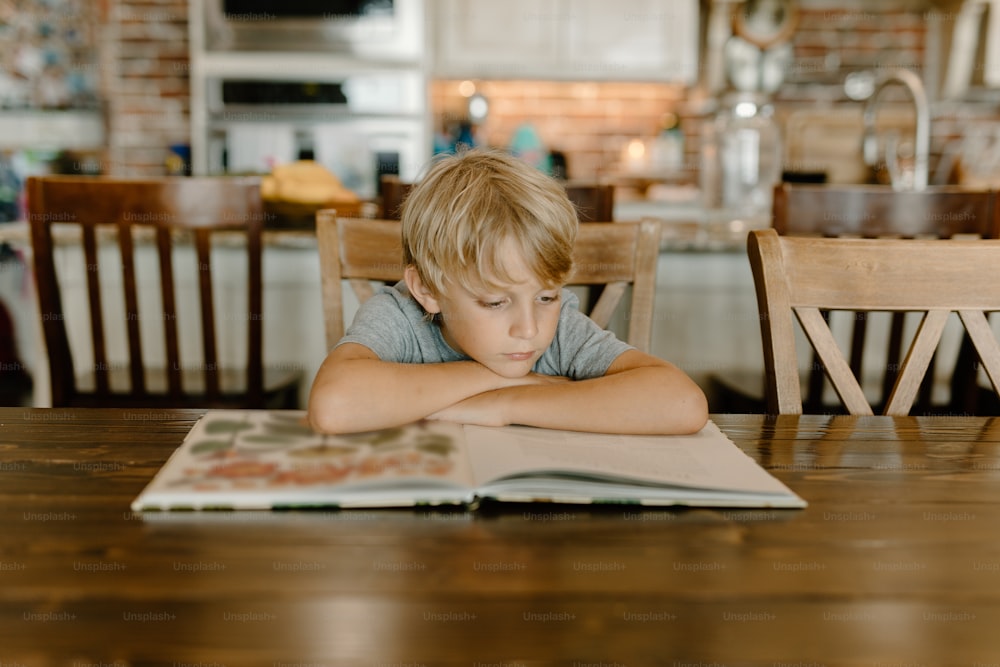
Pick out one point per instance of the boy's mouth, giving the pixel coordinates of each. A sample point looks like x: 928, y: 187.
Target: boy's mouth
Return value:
x: 519, y: 356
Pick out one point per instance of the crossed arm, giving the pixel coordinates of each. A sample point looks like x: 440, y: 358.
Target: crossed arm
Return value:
x: 356, y: 391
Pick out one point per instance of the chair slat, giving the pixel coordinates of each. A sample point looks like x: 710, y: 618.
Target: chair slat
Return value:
x: 837, y: 369
x: 781, y: 375
x: 362, y: 289
x: 914, y: 366
x: 606, y: 305
x: 210, y: 365
x: 981, y: 333
x: 132, y: 317
x: 164, y: 251
x: 328, y: 246
x: 93, y: 270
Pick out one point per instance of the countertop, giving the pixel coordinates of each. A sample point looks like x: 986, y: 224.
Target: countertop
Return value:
x: 685, y: 229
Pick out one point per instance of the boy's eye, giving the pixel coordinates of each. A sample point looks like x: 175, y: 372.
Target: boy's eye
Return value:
x: 548, y: 298
x: 491, y: 304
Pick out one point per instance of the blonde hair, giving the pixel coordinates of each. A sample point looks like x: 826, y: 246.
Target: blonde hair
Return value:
x: 456, y: 219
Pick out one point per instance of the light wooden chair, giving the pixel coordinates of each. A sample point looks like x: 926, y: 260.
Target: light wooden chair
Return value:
x: 114, y: 219
x: 802, y: 276
x: 870, y: 211
x: 612, y: 255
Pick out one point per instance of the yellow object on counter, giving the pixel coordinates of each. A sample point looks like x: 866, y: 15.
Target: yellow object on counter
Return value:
x: 305, y: 182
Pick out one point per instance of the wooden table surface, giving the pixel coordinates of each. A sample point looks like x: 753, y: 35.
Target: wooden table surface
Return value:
x: 895, y: 562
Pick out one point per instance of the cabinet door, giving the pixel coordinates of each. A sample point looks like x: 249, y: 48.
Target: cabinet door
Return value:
x: 631, y: 39
x: 490, y: 39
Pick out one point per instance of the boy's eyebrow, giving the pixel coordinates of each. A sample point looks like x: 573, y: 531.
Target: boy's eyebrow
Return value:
x: 490, y: 288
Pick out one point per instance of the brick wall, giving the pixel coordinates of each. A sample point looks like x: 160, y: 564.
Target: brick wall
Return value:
x: 589, y: 122
x: 143, y: 56
x: 145, y: 52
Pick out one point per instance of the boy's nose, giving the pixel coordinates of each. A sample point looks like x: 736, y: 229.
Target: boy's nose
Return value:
x: 524, y: 324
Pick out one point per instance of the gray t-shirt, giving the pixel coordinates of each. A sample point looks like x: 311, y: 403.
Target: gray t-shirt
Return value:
x: 393, y: 326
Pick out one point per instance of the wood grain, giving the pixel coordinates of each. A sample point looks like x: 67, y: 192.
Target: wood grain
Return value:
x: 894, y: 560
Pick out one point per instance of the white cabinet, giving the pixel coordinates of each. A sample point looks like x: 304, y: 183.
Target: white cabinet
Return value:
x: 592, y: 40
x: 495, y: 39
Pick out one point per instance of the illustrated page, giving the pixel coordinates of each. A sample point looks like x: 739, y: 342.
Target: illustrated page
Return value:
x: 275, y: 451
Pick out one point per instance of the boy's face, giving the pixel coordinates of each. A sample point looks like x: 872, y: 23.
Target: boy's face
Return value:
x: 505, y: 329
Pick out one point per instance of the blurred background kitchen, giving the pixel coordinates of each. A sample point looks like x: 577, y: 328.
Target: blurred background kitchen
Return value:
x: 692, y: 109
x: 623, y: 90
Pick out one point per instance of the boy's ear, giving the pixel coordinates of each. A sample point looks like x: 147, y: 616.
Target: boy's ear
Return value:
x: 420, y: 291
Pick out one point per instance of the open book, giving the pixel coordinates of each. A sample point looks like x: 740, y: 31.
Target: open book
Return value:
x: 258, y: 459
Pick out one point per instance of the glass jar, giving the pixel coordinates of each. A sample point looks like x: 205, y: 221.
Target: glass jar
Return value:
x: 741, y: 160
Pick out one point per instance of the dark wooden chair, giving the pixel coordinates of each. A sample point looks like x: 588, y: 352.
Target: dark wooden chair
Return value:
x: 116, y: 222
x: 391, y: 192
x: 879, y: 212
x: 798, y: 276
x: 594, y: 202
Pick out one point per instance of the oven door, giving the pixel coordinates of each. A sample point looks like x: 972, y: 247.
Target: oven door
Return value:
x: 370, y: 29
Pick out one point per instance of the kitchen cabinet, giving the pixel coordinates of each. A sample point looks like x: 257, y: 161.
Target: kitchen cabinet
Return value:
x: 592, y: 40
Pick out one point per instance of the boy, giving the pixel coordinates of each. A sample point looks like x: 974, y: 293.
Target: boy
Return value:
x: 481, y: 331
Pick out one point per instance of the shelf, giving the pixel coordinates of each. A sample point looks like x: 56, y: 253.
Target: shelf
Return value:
x: 57, y: 130
x: 293, y: 66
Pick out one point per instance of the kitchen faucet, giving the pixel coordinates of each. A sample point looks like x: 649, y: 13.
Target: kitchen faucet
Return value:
x: 922, y: 138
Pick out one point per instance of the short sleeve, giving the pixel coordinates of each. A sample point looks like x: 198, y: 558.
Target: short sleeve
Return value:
x: 581, y: 349
x: 383, y: 327
x: 394, y: 326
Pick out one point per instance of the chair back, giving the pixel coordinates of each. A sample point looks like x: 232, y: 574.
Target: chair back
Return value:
x: 114, y: 221
x: 804, y: 276
x: 392, y: 191
x: 594, y: 202
x: 871, y: 211
x: 612, y: 255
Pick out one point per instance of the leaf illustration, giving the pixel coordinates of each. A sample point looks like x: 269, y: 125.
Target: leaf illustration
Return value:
x: 276, y: 440
x: 220, y: 426
x: 436, y: 444
x: 209, y: 446
x: 387, y: 437
x: 288, y: 429
x: 323, y: 450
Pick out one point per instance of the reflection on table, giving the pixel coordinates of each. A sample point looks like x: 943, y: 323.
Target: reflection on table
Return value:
x: 894, y: 560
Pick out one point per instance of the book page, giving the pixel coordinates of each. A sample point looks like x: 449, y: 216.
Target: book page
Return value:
x: 705, y: 460
x: 236, y: 457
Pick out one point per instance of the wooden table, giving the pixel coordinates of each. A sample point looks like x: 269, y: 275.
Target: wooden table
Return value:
x: 895, y: 562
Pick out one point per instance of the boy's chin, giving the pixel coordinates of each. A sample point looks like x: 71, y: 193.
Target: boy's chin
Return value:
x: 511, y: 371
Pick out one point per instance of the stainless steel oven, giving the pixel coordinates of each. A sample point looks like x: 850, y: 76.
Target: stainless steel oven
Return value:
x: 339, y: 81
x: 363, y: 28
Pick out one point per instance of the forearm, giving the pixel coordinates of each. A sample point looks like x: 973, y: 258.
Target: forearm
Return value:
x: 367, y: 394
x: 647, y: 400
